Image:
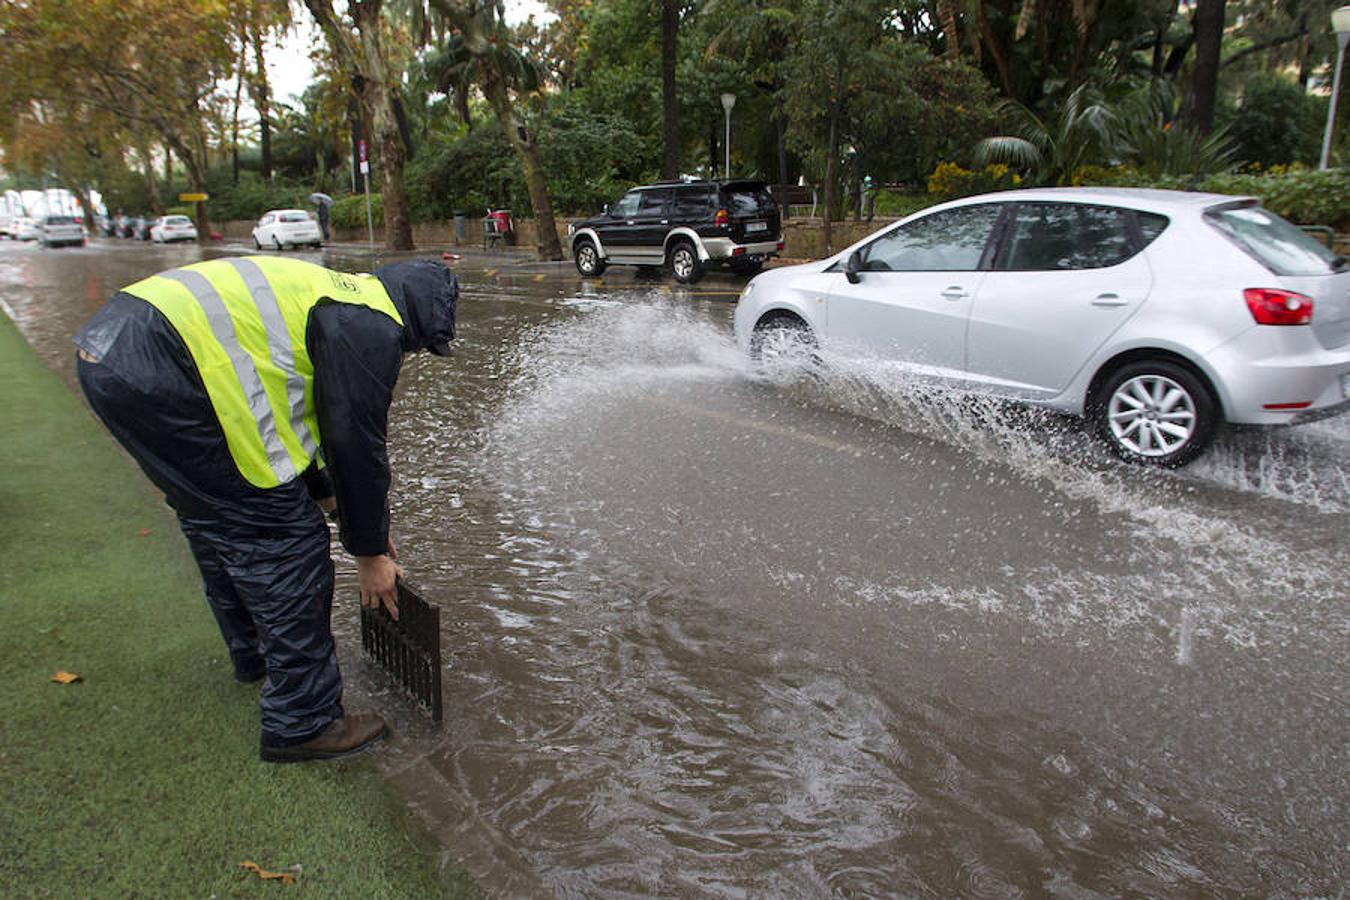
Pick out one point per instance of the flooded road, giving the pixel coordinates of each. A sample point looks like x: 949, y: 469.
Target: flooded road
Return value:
x: 711, y: 633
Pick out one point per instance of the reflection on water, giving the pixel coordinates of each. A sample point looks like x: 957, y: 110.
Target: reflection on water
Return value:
x: 711, y: 633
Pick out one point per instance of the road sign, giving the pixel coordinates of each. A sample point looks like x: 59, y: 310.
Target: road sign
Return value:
x: 361, y: 152
x: 365, y: 167
x: 192, y: 198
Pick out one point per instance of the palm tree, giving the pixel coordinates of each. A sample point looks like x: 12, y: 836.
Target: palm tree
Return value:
x: 481, y: 52
x: 1085, y: 131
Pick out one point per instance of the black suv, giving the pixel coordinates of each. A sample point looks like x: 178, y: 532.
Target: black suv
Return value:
x: 688, y: 225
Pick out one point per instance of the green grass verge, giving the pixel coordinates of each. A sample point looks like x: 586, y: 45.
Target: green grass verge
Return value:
x: 143, y: 779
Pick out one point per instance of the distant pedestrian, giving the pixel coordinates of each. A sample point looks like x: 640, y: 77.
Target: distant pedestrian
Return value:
x: 253, y: 391
x: 323, y: 219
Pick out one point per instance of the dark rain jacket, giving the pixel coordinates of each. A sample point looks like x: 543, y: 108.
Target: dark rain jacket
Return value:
x: 357, y: 354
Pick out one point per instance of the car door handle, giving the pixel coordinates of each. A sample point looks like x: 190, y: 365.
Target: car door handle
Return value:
x: 954, y: 293
x: 1109, y: 300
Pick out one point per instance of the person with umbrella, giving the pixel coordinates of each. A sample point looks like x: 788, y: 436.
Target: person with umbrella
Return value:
x: 323, y: 201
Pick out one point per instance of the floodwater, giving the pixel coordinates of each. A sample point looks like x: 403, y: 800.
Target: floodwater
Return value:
x: 709, y: 633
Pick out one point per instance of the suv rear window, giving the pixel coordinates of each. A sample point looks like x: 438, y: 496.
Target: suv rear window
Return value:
x: 1283, y: 248
x: 691, y: 202
x: 748, y: 200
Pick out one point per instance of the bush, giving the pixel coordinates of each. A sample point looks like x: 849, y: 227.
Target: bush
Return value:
x: 1303, y: 196
x: 350, y: 211
x: 950, y: 181
x: 252, y: 196
x: 1276, y: 122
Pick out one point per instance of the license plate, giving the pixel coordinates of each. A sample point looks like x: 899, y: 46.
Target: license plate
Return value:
x: 756, y: 226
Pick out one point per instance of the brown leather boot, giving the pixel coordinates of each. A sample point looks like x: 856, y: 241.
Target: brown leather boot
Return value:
x: 346, y: 736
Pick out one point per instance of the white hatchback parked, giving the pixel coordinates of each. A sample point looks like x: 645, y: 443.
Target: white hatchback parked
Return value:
x: 282, y: 228
x: 167, y: 229
x: 1156, y: 314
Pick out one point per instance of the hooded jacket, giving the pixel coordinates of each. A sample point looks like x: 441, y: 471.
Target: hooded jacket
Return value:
x: 357, y: 353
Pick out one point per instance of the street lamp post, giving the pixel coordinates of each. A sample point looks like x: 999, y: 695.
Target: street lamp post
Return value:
x: 728, y: 101
x: 1340, y: 23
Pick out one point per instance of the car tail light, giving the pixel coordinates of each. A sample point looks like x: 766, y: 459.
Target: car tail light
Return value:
x: 721, y: 219
x: 1274, y: 307
x: 739, y: 251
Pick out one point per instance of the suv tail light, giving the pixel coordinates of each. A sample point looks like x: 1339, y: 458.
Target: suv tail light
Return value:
x: 721, y: 219
x: 1273, y: 307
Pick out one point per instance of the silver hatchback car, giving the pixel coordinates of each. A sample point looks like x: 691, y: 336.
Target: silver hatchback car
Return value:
x: 1158, y: 315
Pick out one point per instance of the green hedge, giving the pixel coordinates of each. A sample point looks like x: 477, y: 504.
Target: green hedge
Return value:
x: 350, y: 212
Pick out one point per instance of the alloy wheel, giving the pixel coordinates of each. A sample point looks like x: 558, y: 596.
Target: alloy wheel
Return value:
x: 1151, y: 415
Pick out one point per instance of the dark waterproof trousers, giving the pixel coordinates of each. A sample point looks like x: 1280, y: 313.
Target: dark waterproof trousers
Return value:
x: 263, y: 554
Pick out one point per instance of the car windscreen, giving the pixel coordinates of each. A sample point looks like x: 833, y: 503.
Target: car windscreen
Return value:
x: 748, y: 200
x: 294, y: 217
x: 1283, y: 248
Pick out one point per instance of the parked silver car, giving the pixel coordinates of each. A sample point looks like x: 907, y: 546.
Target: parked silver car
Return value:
x: 1156, y: 314
x: 60, y: 231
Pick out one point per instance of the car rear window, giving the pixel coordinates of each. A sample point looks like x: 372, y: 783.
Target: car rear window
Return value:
x: 749, y: 201
x: 177, y: 220
x: 294, y: 217
x: 1283, y: 248
x: 60, y: 220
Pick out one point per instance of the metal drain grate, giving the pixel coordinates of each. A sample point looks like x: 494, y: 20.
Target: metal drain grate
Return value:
x: 409, y: 650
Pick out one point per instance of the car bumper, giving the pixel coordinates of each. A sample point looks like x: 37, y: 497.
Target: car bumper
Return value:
x: 719, y: 249
x: 1281, y: 376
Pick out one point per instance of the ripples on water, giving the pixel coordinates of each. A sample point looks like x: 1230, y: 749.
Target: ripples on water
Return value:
x: 687, y: 659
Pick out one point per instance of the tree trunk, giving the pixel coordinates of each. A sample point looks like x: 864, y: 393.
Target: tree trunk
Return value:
x: 373, y: 83
x: 494, y: 88
x: 261, y: 94
x: 234, y: 118
x: 197, y: 179
x: 1204, y: 90
x: 780, y: 129
x: 832, y: 163
x: 670, y: 111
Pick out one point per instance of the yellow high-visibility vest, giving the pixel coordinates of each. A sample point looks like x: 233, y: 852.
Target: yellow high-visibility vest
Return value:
x: 243, y: 320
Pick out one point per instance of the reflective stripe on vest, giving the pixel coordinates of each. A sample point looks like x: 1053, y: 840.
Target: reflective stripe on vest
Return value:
x: 243, y: 321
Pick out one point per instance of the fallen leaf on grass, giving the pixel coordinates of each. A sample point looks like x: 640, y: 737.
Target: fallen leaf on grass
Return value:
x: 284, y: 877
x: 144, y: 532
x: 64, y: 677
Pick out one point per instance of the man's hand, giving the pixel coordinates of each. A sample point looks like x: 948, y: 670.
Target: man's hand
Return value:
x: 378, y: 578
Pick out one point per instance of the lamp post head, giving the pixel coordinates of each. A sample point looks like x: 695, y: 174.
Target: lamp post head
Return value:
x: 1340, y: 20
x: 729, y: 100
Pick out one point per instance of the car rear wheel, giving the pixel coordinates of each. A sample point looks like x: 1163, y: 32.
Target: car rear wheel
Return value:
x: 684, y: 263
x: 587, y: 258
x: 1156, y: 413
x: 256, y: 245
x: 276, y: 243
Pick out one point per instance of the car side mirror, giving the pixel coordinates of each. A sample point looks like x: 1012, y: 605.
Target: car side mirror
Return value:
x: 853, y: 267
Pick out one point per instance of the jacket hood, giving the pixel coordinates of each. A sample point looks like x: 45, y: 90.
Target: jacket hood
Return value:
x: 425, y: 293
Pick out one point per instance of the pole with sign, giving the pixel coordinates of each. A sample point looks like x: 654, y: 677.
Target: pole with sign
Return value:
x: 365, y: 176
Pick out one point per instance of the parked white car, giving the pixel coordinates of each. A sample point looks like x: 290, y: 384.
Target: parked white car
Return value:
x: 25, y: 228
x: 60, y: 231
x: 282, y: 228
x: 1156, y: 314
x: 167, y: 229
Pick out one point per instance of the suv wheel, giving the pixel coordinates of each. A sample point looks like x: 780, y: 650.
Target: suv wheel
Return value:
x: 684, y: 263
x: 1156, y: 413
x: 587, y: 258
